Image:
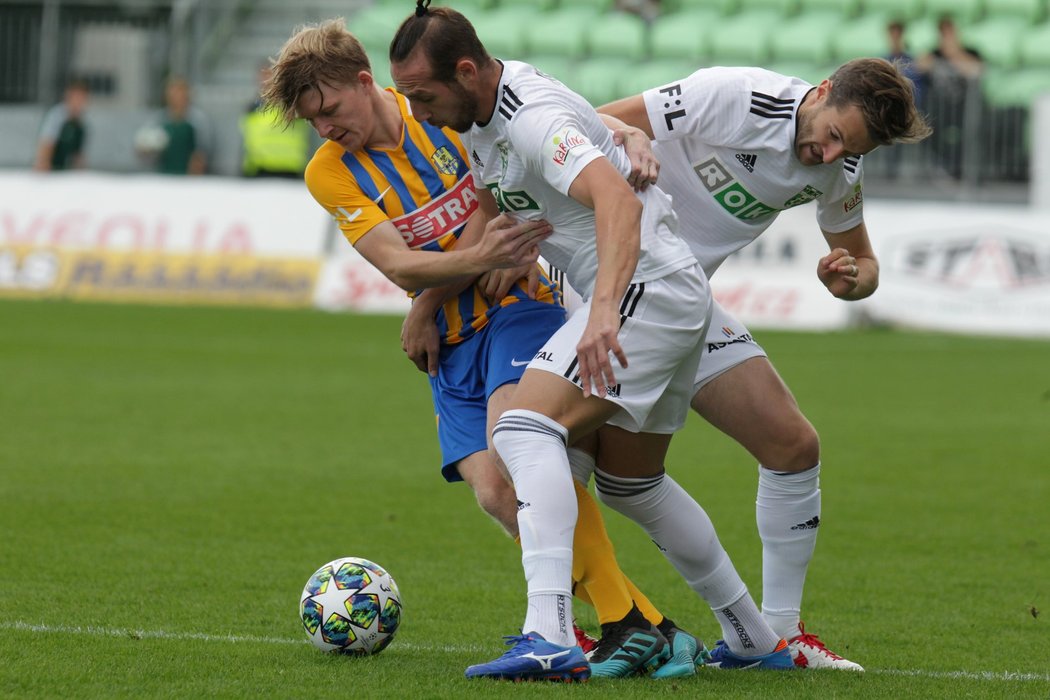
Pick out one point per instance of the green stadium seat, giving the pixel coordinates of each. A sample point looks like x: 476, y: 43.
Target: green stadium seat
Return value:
x: 812, y: 73
x: 805, y: 38
x: 598, y: 79
x: 381, y: 68
x: 846, y: 8
x: 903, y: 10
x: 683, y: 34
x: 1030, y: 10
x: 653, y: 74
x: 722, y: 7
x: 599, y: 5
x: 375, y: 25
x: 922, y: 36
x: 862, y: 37
x: 743, y: 38
x: 468, y: 8
x: 1016, y: 88
x: 553, y: 65
x: 560, y: 32
x: 1034, y: 48
x: 618, y: 34
x: 502, y: 30
x: 784, y: 7
x: 997, y: 40
x: 964, y: 12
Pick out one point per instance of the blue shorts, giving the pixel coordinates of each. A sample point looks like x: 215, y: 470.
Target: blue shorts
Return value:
x: 470, y: 371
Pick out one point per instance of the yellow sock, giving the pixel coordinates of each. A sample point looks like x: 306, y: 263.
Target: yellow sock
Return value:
x: 594, y: 568
x: 644, y: 604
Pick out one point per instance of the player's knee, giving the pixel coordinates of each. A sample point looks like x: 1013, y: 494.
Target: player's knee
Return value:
x: 794, y: 447
x: 495, y: 496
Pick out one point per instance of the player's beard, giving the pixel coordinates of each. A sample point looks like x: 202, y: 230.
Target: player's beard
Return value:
x: 804, y: 135
x: 466, y: 114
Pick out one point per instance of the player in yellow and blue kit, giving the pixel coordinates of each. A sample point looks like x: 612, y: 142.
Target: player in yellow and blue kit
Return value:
x: 402, y: 194
x: 422, y: 187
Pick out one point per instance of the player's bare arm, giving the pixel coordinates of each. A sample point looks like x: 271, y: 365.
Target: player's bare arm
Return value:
x: 617, y: 218
x: 851, y: 270
x: 645, y: 168
x: 419, y: 335
x: 505, y: 243
x: 631, y: 111
x: 495, y: 284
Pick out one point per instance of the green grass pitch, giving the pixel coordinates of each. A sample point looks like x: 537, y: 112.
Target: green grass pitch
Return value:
x: 170, y: 477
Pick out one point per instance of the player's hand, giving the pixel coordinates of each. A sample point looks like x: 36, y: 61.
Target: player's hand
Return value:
x: 838, y: 271
x: 510, y: 243
x: 420, y: 340
x: 598, y: 340
x: 639, y: 149
x: 495, y: 284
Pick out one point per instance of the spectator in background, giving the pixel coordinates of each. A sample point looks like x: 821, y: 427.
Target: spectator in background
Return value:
x: 178, y: 139
x: 646, y: 9
x: 269, y: 147
x: 952, y: 71
x: 899, y: 55
x: 63, y: 133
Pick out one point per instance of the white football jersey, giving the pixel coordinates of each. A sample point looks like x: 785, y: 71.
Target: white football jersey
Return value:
x: 540, y: 137
x: 725, y: 138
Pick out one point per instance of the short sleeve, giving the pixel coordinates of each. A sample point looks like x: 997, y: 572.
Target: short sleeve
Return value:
x: 335, y: 189
x: 842, y: 207
x: 553, y: 143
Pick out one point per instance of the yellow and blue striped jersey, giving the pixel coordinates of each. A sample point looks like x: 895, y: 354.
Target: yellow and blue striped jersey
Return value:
x: 424, y: 187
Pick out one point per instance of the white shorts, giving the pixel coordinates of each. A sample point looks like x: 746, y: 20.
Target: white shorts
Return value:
x: 728, y: 341
x: 664, y: 322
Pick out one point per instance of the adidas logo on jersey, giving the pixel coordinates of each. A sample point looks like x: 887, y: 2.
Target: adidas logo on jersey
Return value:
x: 747, y: 160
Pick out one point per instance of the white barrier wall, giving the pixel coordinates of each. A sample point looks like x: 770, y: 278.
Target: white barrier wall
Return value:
x: 971, y: 269
x: 1039, y: 128
x: 93, y: 211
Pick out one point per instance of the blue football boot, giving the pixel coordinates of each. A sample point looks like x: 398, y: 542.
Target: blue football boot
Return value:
x: 777, y: 660
x: 683, y: 653
x: 533, y: 658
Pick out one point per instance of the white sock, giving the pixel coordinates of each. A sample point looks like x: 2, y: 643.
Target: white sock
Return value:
x: 533, y: 448
x: 787, y: 511
x: 582, y: 465
x: 685, y: 534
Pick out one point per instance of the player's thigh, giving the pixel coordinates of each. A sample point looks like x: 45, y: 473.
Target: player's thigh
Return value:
x: 631, y: 455
x: 554, y: 396
x: 752, y: 404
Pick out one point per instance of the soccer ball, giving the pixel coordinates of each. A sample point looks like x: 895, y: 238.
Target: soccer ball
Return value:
x: 352, y: 606
x: 151, y: 139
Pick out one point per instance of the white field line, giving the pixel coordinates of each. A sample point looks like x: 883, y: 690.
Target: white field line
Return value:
x: 19, y: 626
x: 124, y: 633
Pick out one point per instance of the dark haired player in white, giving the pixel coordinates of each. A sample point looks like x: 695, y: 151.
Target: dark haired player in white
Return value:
x: 543, y: 152
x: 736, y: 146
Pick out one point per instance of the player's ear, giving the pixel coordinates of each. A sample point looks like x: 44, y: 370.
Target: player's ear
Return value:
x: 824, y: 88
x: 365, y: 79
x: 466, y: 71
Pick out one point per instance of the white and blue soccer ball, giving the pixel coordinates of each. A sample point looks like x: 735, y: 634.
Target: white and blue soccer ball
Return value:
x: 352, y: 606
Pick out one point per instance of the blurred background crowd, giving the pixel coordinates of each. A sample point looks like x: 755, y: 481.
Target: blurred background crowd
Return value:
x: 171, y: 86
